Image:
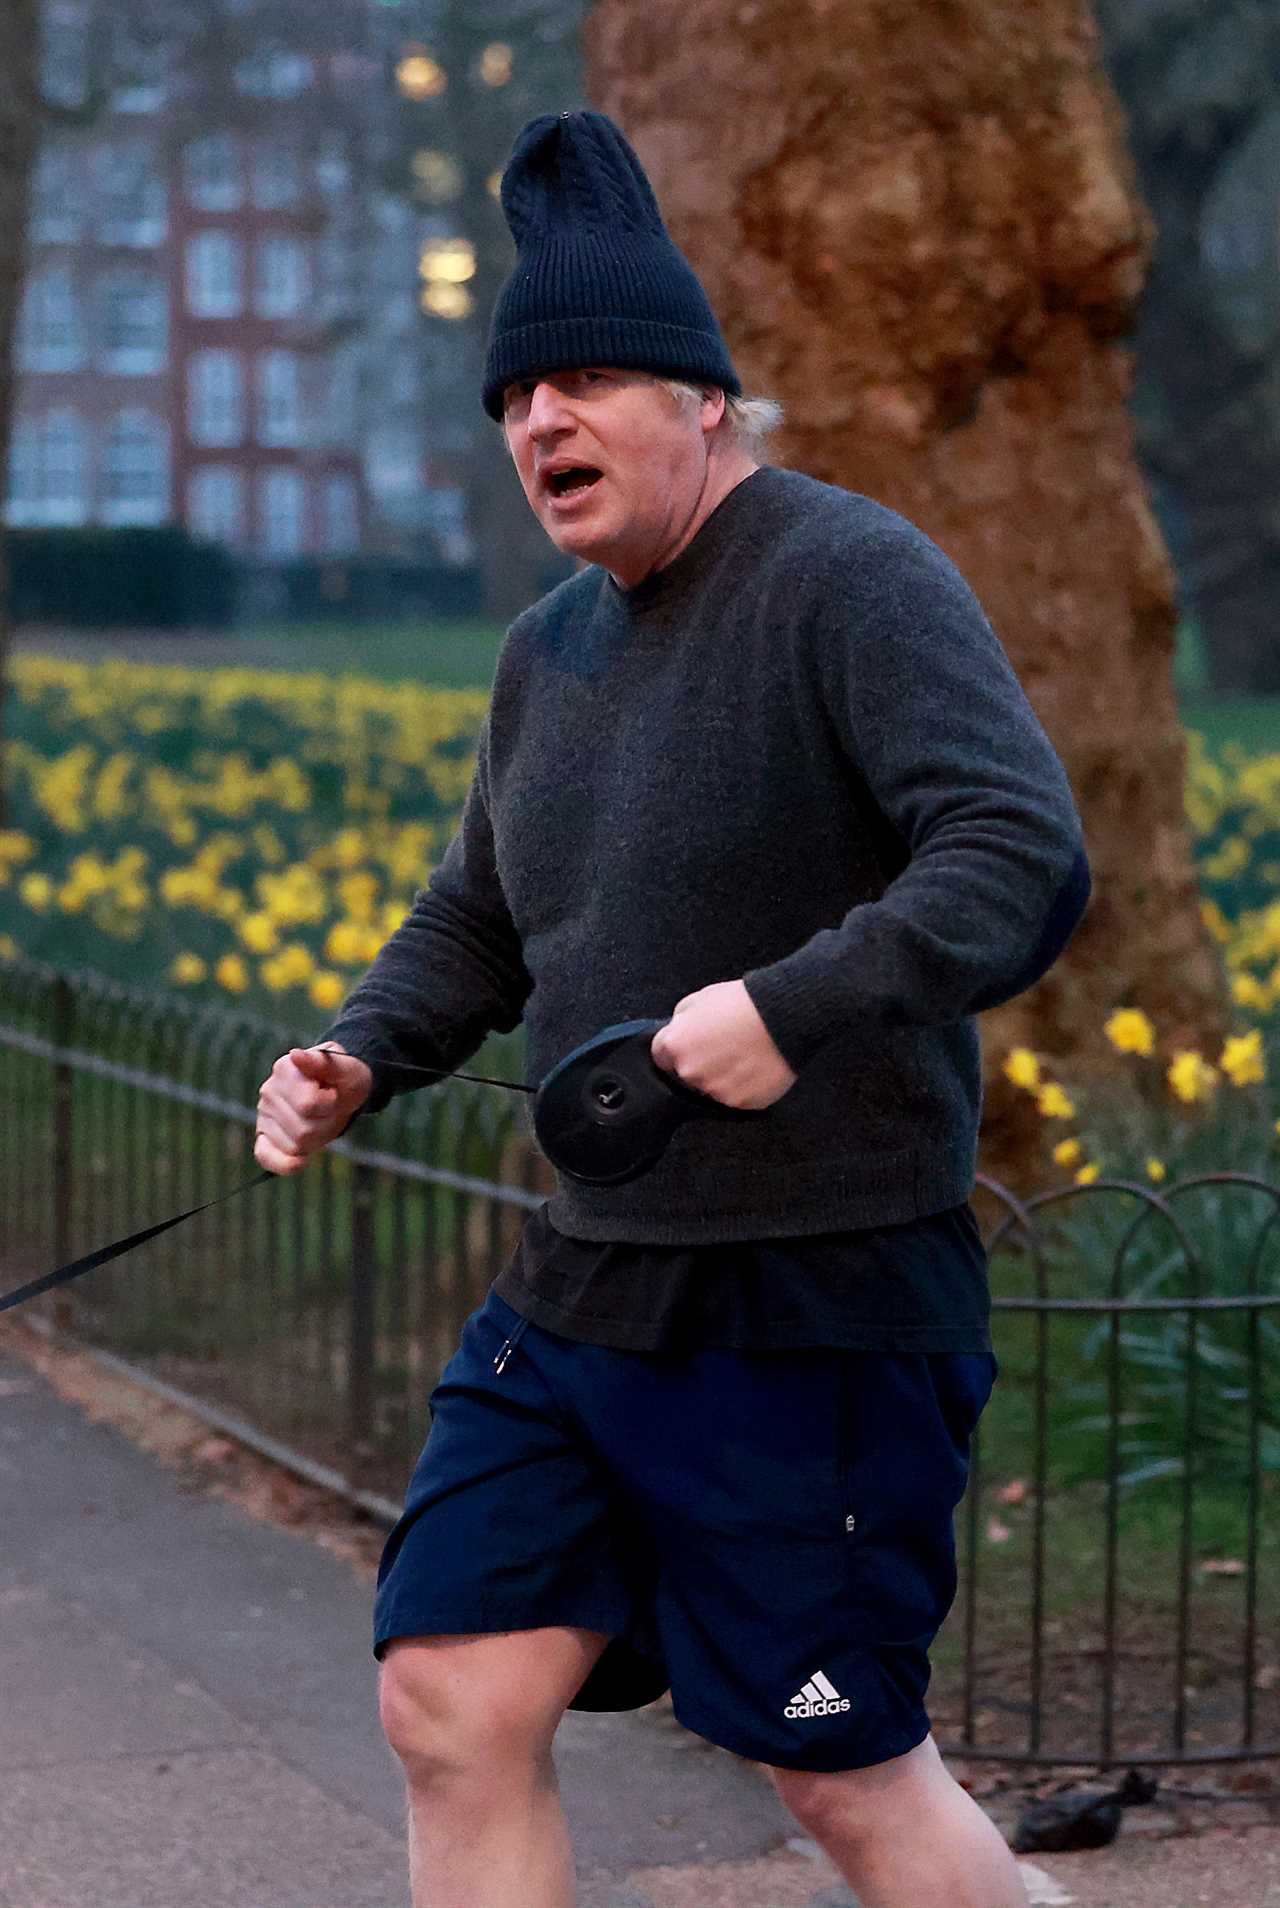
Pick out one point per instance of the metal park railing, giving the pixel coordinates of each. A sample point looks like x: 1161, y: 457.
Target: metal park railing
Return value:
x: 1118, y: 1550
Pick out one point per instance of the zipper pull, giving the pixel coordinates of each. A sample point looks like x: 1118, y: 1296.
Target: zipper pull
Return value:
x: 500, y: 1361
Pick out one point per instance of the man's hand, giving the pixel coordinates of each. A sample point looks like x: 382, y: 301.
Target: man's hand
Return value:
x: 717, y: 1042
x: 307, y: 1100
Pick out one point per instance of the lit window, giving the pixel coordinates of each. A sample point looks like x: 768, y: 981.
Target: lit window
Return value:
x: 135, y: 469
x: 51, y: 323
x: 496, y: 63
x: 215, y: 275
x: 48, y: 470
x: 133, y: 321
x: 419, y: 76
x: 282, y: 497
x: 212, y: 169
x: 215, y: 504
x: 215, y: 398
x: 281, y: 279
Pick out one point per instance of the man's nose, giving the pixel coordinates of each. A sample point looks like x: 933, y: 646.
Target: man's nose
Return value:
x: 547, y: 410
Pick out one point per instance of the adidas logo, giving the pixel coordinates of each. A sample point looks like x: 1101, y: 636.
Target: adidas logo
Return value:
x: 819, y: 1697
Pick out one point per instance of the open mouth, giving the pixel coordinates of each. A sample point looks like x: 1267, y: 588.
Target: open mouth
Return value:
x: 568, y: 483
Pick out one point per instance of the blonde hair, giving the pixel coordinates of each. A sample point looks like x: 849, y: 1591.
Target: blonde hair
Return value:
x: 748, y: 421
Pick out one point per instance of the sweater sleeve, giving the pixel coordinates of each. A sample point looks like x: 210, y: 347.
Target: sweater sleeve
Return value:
x: 925, y: 705
x: 452, y: 971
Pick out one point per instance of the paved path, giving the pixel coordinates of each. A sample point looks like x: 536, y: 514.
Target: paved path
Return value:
x: 188, y: 1716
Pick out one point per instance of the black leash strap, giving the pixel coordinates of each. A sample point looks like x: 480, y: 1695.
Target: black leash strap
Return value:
x: 65, y: 1273
x: 604, y: 1114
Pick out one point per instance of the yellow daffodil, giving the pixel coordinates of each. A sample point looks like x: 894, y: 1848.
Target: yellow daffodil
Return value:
x: 327, y: 989
x: 1087, y: 1174
x: 1241, y: 1059
x: 1066, y: 1152
x: 36, y: 891
x: 1247, y: 991
x: 1022, y: 1067
x: 1155, y: 1170
x: 1053, y: 1102
x: 232, y: 974
x: 1129, y: 1031
x: 1190, y: 1076
x: 186, y: 969
x: 259, y: 933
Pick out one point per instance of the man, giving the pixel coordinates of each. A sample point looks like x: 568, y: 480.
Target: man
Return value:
x: 762, y: 771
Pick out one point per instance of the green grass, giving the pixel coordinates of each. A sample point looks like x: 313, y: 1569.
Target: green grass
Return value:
x: 449, y: 655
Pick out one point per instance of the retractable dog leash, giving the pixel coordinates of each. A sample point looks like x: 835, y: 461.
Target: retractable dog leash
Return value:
x: 604, y: 1115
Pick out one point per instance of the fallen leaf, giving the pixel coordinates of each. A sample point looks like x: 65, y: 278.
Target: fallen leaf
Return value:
x: 997, y: 1533
x: 1222, y: 1567
x: 1014, y: 1492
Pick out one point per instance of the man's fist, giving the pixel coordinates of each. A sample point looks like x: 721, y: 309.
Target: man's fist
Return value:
x: 717, y: 1042
x: 307, y: 1100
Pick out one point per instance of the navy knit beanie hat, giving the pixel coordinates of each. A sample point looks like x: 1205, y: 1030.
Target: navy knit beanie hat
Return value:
x: 597, y: 279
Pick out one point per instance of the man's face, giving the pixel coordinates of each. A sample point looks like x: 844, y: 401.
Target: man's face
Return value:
x: 612, y: 466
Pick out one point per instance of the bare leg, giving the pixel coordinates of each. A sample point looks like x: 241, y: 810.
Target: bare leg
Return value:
x: 472, y: 1721
x: 904, y: 1834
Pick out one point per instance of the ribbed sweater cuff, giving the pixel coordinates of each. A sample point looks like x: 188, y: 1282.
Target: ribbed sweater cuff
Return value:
x: 798, y: 1004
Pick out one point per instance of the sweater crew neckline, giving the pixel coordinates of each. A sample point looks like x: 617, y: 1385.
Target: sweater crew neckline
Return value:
x: 662, y: 586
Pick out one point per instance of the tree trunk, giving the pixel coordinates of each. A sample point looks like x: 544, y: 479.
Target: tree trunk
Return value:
x: 920, y: 231
x: 19, y: 124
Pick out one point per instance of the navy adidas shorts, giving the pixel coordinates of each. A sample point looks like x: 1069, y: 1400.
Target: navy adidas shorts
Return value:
x: 768, y: 1534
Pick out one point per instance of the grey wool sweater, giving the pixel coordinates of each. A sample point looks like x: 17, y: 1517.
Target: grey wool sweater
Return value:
x: 796, y: 756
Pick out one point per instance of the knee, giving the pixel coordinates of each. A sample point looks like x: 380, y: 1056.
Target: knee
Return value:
x: 825, y: 1805
x: 858, y: 1804
x: 444, y: 1726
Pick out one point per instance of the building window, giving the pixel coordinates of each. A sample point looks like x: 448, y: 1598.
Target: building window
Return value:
x: 139, y: 64
x: 282, y: 497
x: 215, y: 504
x: 277, y: 175
x: 276, y: 75
x: 64, y: 52
x: 48, y: 470
x: 133, y: 321
x: 340, y: 422
x: 281, y: 278
x: 215, y: 398
x: 340, y: 516
x: 215, y: 275
x: 56, y: 208
x: 211, y: 171
x: 279, y: 399
x: 51, y: 323
x: 132, y: 197
x: 336, y: 270
x: 135, y: 469
x: 333, y: 169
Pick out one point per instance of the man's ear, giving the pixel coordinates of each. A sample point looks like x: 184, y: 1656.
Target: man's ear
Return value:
x: 713, y: 405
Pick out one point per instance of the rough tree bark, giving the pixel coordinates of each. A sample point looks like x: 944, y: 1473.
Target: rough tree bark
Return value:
x: 919, y: 227
x: 19, y: 126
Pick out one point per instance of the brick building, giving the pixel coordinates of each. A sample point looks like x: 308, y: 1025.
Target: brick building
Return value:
x: 190, y: 345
